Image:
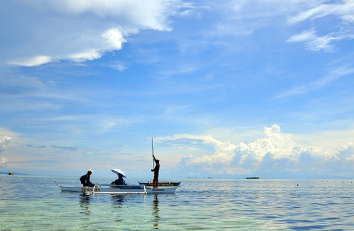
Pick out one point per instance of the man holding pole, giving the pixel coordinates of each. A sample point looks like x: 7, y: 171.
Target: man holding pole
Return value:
x: 156, y: 172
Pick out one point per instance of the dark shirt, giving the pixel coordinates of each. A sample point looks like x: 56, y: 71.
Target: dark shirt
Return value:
x: 119, y: 181
x: 85, y: 180
x: 156, y: 171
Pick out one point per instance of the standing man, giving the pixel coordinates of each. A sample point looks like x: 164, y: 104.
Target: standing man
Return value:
x: 156, y: 172
x: 85, y: 179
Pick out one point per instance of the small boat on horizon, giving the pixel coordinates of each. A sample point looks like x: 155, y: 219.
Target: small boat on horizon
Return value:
x: 253, y: 178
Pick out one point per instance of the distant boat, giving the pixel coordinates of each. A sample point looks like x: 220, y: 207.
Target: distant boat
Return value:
x: 11, y: 173
x: 252, y: 178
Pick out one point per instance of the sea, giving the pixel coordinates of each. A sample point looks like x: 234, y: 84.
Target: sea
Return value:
x: 37, y: 203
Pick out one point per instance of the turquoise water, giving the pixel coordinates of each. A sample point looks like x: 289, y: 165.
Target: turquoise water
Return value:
x: 36, y: 203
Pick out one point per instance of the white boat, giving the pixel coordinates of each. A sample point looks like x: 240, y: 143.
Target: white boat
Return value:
x: 142, y: 188
x: 120, y: 189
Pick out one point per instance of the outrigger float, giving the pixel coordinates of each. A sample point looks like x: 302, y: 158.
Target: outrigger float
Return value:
x: 119, y: 189
x: 160, y: 183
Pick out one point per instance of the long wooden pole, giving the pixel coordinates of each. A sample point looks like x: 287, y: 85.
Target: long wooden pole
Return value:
x: 152, y: 147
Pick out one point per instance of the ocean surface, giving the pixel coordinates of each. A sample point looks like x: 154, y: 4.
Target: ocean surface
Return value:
x: 36, y: 203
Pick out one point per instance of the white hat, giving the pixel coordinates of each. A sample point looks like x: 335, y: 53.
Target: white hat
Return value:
x: 89, y: 170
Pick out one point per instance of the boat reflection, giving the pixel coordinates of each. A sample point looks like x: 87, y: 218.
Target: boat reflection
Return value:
x: 118, y: 199
x: 85, y: 204
x: 155, y: 211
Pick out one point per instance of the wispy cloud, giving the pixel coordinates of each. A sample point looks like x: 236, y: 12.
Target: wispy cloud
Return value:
x: 312, y: 41
x: 32, y: 61
x: 343, y: 10
x: 96, y: 124
x: 36, y: 161
x: 319, y: 43
x: 329, y: 78
x: 13, y: 84
x: 119, y: 66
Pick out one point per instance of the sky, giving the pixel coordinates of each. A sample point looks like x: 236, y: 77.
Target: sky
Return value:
x: 227, y: 88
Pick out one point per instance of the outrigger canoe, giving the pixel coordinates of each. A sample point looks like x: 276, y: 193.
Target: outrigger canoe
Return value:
x: 120, y: 189
x: 169, y: 184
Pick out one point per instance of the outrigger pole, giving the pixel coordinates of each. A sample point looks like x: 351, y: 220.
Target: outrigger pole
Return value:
x: 152, y: 147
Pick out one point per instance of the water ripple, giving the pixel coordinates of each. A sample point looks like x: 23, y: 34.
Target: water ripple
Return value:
x: 202, y: 204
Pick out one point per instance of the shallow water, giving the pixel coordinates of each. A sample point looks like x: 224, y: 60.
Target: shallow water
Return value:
x: 36, y: 203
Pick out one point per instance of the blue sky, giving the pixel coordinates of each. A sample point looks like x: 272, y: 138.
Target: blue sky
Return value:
x: 226, y: 88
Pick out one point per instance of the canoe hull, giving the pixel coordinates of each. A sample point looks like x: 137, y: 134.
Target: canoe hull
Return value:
x: 126, y: 189
x: 161, y: 183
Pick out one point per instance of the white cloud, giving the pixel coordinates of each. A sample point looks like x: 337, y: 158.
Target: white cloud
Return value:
x: 329, y: 78
x: 316, y: 12
x: 85, y: 55
x: 119, y: 66
x: 115, y: 38
x: 34, y: 61
x: 343, y: 10
x: 275, y: 153
x: 303, y: 36
x: 81, y: 30
x: 144, y: 14
x: 319, y: 43
x: 4, y: 142
x: 3, y: 161
x: 224, y: 151
x: 114, y: 41
x: 242, y: 17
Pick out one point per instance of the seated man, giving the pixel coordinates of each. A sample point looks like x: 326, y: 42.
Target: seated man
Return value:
x: 85, y: 179
x: 119, y: 181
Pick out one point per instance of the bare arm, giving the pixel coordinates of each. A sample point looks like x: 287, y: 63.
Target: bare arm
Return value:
x: 153, y: 156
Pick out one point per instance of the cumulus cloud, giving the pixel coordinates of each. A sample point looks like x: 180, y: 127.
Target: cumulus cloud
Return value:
x: 274, y: 153
x: 224, y: 151
x: 81, y: 30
